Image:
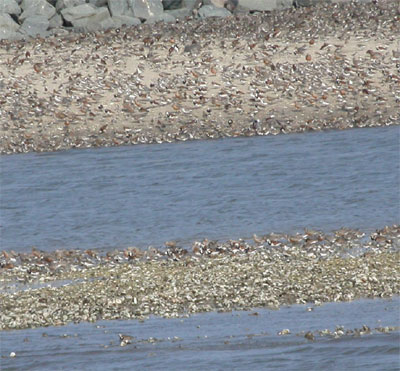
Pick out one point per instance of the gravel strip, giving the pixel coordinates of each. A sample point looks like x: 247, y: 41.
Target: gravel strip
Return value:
x: 276, y: 270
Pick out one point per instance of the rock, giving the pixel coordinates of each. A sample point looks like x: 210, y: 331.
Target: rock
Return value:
x: 101, y: 19
x: 78, y: 12
x: 189, y: 3
x: 216, y: 3
x: 301, y: 3
x: 118, y: 7
x: 37, y: 7
x: 212, y: 11
x: 55, y: 21
x: 165, y: 17
x: 172, y: 4
x: 35, y: 25
x: 146, y: 8
x: 284, y: 4
x: 6, y: 22
x: 104, y: 24
x: 179, y: 13
x: 266, y: 5
x: 59, y: 32
x: 9, y: 7
x: 8, y: 27
x: 99, y: 3
x: 62, y: 4
x: 231, y: 5
x: 121, y: 20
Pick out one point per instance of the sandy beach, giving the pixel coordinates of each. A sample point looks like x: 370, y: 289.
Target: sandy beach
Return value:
x: 332, y: 66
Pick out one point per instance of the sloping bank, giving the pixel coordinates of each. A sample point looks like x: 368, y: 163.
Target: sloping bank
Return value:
x: 275, y: 270
x: 332, y: 66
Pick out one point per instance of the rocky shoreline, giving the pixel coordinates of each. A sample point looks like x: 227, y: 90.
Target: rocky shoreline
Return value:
x: 23, y: 19
x: 46, y: 289
x: 331, y: 66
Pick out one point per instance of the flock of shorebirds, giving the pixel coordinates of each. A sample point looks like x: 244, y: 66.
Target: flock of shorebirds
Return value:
x: 47, y: 289
x: 28, y: 266
x: 329, y: 66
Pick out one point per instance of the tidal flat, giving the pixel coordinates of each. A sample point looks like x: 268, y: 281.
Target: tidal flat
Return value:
x: 50, y: 289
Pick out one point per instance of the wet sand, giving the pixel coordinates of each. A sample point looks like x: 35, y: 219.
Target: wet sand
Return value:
x: 333, y: 66
x: 46, y: 289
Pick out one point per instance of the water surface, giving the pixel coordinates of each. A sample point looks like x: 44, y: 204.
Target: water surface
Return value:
x: 142, y: 195
x: 216, y: 341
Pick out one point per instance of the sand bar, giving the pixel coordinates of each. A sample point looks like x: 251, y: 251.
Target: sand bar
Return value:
x: 46, y: 289
x: 332, y: 66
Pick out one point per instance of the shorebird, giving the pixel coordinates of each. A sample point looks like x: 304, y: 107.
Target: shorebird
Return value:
x: 125, y: 339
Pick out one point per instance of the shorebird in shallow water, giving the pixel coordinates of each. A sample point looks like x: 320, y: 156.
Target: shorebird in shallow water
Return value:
x: 125, y: 339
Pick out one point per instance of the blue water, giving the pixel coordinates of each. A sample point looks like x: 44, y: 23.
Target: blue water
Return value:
x: 216, y: 341
x: 146, y: 195
x: 141, y: 195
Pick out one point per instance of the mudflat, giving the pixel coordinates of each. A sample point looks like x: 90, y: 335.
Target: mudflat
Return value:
x: 332, y: 66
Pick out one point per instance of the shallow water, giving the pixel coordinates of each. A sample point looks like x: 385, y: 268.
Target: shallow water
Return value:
x: 142, y: 195
x: 237, y: 340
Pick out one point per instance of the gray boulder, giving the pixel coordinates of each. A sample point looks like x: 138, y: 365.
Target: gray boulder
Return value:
x: 172, y: 4
x: 7, y: 22
x: 197, y: 4
x: 216, y: 3
x: 212, y: 11
x: 121, y: 20
x: 165, y: 17
x: 231, y: 5
x: 62, y: 4
x: 305, y: 3
x: 88, y: 17
x: 37, y: 8
x: 35, y: 25
x: 77, y: 12
x: 179, y: 13
x: 55, y: 21
x: 190, y: 4
x: 9, y: 7
x: 265, y: 5
x: 118, y: 7
x: 145, y: 9
x: 103, y: 24
x: 8, y: 28
x: 98, y: 3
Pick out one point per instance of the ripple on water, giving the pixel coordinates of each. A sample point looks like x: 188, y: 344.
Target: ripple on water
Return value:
x: 239, y: 340
x: 140, y: 195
